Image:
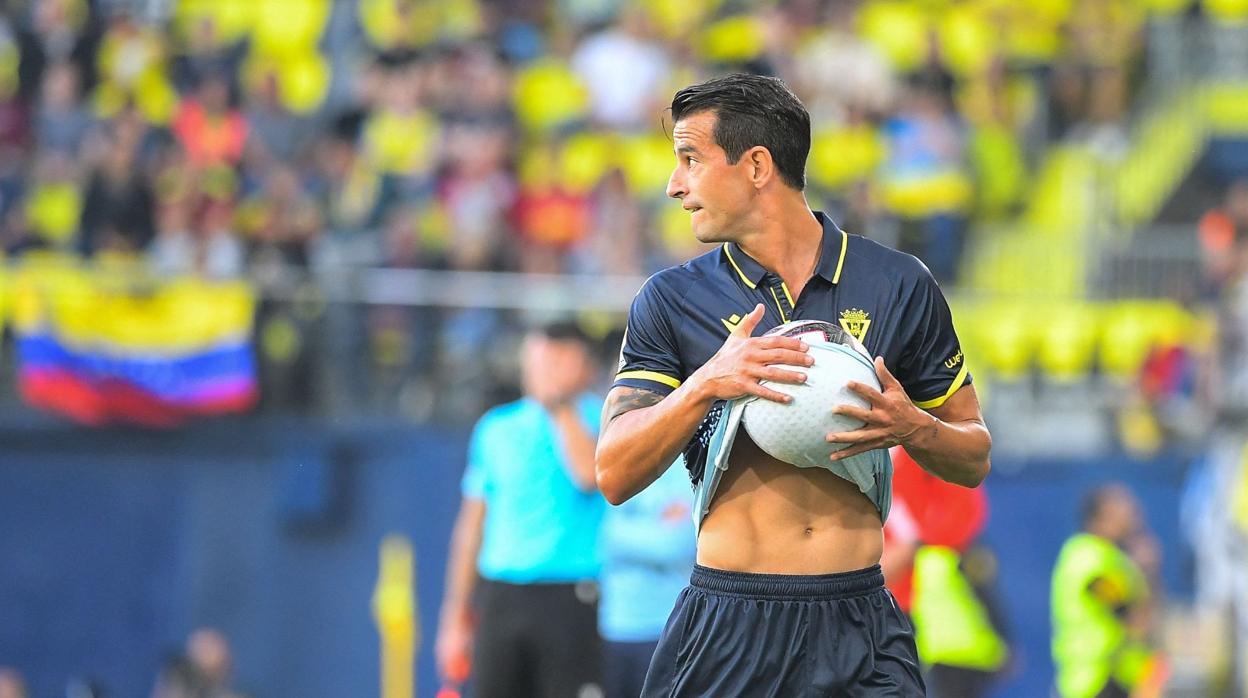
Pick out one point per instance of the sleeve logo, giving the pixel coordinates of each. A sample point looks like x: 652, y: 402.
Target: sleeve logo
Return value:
x: 954, y: 360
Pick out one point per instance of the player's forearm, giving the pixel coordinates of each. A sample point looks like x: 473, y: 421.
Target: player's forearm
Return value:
x: 637, y: 445
x: 461, y: 568
x: 956, y: 452
x: 578, y: 447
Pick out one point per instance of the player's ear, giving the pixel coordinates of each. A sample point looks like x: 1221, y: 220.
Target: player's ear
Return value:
x: 762, y: 166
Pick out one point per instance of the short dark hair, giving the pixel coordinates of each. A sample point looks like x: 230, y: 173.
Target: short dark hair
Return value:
x: 753, y: 110
x: 564, y: 331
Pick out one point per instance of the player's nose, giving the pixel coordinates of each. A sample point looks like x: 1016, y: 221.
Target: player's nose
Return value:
x: 675, y: 187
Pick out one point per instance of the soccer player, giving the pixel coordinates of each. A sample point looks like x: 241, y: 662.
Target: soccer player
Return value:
x: 787, y: 598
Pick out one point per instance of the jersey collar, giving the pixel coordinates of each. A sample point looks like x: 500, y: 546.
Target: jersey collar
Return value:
x: 831, y: 258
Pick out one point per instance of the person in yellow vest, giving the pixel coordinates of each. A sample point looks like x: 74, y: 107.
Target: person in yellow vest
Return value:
x: 1102, y: 606
x: 943, y: 578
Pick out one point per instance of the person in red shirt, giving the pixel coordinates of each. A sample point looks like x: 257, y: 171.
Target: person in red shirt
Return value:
x: 933, y: 518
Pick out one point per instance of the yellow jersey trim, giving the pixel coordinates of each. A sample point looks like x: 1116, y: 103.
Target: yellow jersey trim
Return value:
x: 733, y: 262
x: 958, y: 382
x: 840, y: 262
x: 778, y: 306
x: 787, y: 294
x: 650, y: 376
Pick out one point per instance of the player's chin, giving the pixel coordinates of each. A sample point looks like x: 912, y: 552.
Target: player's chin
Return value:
x: 702, y: 231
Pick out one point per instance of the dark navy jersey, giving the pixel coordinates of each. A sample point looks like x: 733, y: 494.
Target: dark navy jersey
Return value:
x: 888, y: 300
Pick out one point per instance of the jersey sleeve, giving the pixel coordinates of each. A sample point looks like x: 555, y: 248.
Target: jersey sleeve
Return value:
x: 648, y: 356
x: 475, y: 482
x: 933, y: 367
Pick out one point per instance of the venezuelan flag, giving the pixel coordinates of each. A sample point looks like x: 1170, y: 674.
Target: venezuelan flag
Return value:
x: 101, y: 347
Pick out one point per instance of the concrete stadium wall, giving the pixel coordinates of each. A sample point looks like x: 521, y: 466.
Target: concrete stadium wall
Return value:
x: 115, y: 544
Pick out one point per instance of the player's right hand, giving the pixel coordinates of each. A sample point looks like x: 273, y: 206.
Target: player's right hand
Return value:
x: 453, y: 650
x: 736, y: 369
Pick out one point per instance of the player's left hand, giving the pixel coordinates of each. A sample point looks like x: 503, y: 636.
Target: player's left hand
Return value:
x: 890, y: 419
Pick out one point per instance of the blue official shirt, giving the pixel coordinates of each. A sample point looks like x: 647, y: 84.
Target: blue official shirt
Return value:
x: 539, y: 527
x: 648, y: 550
x: 886, y: 299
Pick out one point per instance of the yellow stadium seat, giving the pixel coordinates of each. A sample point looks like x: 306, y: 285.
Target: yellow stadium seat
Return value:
x: 735, y: 39
x: 396, y: 24
x: 1232, y: 11
x: 54, y: 210
x: 677, y: 18
x: 231, y: 19
x: 282, y: 28
x: 401, y: 144
x: 303, y: 77
x: 967, y: 38
x: 1133, y: 328
x: 898, y: 29
x: 841, y: 156
x: 547, y: 94
x: 1008, y: 335
x: 1067, y: 341
x: 583, y: 160
x: 647, y: 162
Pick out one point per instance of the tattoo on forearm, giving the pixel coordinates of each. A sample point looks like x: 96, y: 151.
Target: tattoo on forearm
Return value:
x: 625, y: 399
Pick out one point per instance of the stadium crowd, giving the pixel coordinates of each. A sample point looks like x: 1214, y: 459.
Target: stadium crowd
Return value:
x: 227, y: 139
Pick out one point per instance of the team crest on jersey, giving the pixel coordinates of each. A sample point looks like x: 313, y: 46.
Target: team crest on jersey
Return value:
x: 856, y: 322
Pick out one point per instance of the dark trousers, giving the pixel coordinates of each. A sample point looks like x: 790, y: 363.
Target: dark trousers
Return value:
x: 625, y: 665
x: 536, y: 641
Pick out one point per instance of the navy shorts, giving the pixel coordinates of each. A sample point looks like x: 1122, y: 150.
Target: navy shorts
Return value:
x: 742, y: 635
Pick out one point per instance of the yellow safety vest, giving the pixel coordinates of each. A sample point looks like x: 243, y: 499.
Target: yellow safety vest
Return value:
x: 951, y: 625
x: 1090, y: 644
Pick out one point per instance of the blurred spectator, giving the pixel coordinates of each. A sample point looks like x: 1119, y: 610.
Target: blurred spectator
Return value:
x: 60, y: 122
x: 11, y: 684
x: 118, y: 210
x: 945, y: 579
x: 524, y: 545
x: 402, y: 138
x: 476, y: 194
x: 209, y: 128
x: 924, y: 179
x: 349, y: 190
x: 648, y: 550
x: 838, y: 70
x: 55, y: 31
x: 280, y: 221
x: 53, y: 207
x: 131, y: 66
x: 616, y: 241
x: 1103, y: 603
x: 195, y: 235
x: 1223, y: 234
x: 624, y: 69
x: 275, y: 133
x: 209, y: 651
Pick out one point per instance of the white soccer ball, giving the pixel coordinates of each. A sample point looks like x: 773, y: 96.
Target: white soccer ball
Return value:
x: 796, y: 432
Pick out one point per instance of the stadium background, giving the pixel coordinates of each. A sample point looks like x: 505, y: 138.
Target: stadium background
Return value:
x: 265, y: 261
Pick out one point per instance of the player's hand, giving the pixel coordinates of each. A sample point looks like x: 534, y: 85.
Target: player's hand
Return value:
x: 736, y: 369
x: 890, y: 419
x: 453, y: 650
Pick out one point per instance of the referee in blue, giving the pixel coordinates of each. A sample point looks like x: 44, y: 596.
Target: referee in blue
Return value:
x: 520, y: 605
x: 787, y: 598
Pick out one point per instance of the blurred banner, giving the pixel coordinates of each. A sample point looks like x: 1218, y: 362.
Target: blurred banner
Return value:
x: 106, y: 345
